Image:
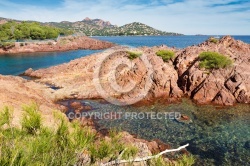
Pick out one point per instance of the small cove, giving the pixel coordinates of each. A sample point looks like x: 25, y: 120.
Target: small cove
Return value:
x: 217, y: 135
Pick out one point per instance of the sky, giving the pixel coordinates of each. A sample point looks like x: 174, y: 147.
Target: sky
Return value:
x: 210, y: 17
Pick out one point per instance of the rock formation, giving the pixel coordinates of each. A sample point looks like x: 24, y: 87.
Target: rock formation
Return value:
x: 223, y: 86
x: 170, y: 80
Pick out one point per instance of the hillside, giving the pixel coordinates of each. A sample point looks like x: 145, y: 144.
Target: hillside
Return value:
x: 98, y: 27
x: 29, y: 30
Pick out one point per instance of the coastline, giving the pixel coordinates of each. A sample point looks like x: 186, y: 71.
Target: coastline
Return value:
x: 63, y: 44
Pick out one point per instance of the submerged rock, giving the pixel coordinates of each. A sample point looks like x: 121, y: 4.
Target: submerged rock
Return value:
x: 184, y: 119
x: 247, y: 145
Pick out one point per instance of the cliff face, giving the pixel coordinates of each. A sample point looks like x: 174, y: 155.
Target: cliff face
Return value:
x: 63, y: 44
x: 223, y: 86
x: 168, y: 80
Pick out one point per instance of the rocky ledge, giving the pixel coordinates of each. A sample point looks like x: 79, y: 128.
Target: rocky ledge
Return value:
x: 170, y: 80
x: 62, y: 44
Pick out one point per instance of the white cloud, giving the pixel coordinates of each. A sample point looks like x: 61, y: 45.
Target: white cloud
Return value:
x: 188, y: 17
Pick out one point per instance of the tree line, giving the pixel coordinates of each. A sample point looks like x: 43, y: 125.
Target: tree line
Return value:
x: 29, y: 30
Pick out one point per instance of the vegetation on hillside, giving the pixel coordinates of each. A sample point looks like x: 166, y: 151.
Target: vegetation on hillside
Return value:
x: 166, y: 55
x: 98, y: 27
x: 29, y: 30
x: 92, y: 28
x: 214, y: 60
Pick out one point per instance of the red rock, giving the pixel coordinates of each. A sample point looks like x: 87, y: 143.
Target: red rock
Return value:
x: 223, y: 86
x: 63, y: 44
x: 87, y: 108
x: 185, y: 117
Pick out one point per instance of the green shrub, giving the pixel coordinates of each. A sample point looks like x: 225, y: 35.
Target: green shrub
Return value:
x: 166, y: 55
x: 109, y: 149
x: 31, y: 121
x: 101, y: 151
x: 158, y: 162
x: 213, y: 40
x: 186, y: 160
x: 84, y: 136
x: 133, y: 54
x: 214, y: 60
x: 5, y: 116
x: 129, y: 152
x: 7, y: 45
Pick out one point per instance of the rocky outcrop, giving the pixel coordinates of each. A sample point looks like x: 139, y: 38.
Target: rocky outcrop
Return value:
x: 76, y: 78
x: 63, y: 44
x: 223, y: 86
x: 169, y: 80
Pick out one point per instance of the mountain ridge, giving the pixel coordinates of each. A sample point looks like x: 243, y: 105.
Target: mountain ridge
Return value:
x: 99, y: 27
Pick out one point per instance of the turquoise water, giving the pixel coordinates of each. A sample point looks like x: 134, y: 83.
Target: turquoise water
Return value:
x: 217, y: 136
x: 17, y: 63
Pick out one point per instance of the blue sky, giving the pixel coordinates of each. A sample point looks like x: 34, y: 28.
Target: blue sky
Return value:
x: 225, y: 17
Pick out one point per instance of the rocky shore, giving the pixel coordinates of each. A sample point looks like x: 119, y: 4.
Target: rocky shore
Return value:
x: 169, y: 80
x: 62, y: 44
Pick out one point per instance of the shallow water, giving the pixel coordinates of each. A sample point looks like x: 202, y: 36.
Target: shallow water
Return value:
x: 217, y: 136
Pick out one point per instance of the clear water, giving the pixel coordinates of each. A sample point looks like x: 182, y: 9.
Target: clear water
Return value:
x: 171, y: 41
x: 14, y: 64
x: 217, y: 136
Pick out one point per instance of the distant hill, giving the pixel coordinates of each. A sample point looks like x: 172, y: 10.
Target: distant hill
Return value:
x: 137, y: 28
x: 98, y: 27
